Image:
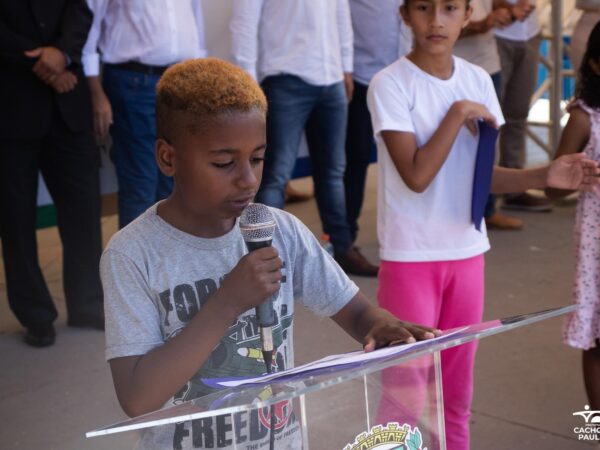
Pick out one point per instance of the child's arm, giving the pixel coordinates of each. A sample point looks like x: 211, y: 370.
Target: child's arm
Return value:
x: 570, y: 172
x: 419, y: 166
x: 573, y: 140
x: 375, y: 327
x: 144, y: 383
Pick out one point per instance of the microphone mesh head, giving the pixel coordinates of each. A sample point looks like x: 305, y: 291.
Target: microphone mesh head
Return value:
x: 257, y: 223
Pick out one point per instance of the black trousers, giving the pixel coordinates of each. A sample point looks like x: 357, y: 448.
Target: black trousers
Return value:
x: 69, y: 164
x: 360, y: 150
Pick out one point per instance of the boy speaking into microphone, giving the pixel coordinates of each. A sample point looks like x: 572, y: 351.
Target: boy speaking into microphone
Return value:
x: 181, y: 287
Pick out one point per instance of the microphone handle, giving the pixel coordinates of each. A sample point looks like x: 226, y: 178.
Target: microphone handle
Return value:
x: 265, y: 314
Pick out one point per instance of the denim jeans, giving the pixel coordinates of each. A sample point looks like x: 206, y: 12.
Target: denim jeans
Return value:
x: 141, y: 184
x: 295, y: 106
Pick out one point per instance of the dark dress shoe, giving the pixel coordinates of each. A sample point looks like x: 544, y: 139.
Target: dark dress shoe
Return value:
x: 95, y: 321
x: 40, y: 335
x: 353, y: 262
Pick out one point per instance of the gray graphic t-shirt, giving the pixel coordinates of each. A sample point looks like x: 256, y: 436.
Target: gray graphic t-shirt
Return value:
x: 156, y: 278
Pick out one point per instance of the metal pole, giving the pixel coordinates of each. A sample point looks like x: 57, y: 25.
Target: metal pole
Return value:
x: 556, y: 88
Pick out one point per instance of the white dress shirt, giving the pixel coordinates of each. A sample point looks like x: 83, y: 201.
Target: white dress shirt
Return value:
x: 380, y: 36
x: 311, y: 39
x: 153, y: 32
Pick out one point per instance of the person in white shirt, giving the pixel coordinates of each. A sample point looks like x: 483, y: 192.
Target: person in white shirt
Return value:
x: 301, y: 52
x: 137, y: 41
x: 380, y: 38
x: 518, y: 46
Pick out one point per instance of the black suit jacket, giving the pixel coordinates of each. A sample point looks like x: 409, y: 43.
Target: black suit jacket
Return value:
x: 28, y: 105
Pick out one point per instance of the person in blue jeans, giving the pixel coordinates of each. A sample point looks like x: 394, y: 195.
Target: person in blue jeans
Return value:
x: 138, y: 43
x: 301, y: 51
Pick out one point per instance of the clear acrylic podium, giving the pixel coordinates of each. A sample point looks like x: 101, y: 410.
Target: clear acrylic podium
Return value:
x: 340, y: 402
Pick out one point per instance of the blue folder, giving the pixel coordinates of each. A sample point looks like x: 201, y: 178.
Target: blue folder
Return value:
x: 484, y: 166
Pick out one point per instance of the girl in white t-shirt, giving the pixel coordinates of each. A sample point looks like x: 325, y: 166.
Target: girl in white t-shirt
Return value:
x: 424, y: 109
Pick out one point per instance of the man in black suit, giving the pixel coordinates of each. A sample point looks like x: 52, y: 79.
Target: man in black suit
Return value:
x: 45, y: 125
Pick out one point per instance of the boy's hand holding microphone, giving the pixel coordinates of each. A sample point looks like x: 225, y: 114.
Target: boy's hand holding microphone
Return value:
x: 254, y: 279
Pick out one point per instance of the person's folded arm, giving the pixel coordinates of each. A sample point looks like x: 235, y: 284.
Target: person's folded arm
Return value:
x: 419, y: 166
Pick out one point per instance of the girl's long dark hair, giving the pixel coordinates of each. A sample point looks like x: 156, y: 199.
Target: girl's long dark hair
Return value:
x: 588, y: 83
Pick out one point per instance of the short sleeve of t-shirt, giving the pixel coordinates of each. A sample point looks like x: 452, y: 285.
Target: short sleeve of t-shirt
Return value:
x: 389, y: 103
x: 319, y: 282
x: 131, y: 325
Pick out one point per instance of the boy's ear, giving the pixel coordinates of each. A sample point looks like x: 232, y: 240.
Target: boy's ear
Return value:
x: 404, y: 15
x: 165, y: 157
x: 468, y: 15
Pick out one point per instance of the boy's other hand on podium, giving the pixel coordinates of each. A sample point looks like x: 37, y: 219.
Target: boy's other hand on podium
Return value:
x: 389, y: 331
x: 375, y: 327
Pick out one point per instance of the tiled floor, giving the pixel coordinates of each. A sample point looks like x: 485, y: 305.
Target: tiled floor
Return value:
x: 528, y: 384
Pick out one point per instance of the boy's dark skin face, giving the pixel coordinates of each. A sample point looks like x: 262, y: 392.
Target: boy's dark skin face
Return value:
x: 217, y: 171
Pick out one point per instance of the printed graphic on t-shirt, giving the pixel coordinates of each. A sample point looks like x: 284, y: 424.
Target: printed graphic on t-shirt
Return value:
x: 237, y: 354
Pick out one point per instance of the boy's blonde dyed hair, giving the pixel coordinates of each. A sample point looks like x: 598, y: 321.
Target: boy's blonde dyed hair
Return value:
x: 192, y: 92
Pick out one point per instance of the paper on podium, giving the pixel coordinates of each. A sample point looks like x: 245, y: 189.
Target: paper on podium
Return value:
x: 345, y: 359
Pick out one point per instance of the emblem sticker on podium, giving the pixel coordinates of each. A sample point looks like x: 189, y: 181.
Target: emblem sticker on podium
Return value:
x: 393, y: 436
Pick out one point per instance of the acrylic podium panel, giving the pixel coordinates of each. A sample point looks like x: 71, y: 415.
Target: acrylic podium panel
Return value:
x: 339, y: 402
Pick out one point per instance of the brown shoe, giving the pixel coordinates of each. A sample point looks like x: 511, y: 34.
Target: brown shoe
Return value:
x: 294, y: 196
x: 501, y: 222
x: 353, y: 262
x: 527, y: 202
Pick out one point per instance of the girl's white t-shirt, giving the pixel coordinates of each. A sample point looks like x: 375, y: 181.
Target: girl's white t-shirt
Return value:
x: 434, y: 225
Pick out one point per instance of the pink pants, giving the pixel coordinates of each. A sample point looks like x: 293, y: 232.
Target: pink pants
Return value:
x: 440, y: 294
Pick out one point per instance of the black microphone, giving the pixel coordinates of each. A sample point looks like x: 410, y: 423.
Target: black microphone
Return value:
x: 257, y: 226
